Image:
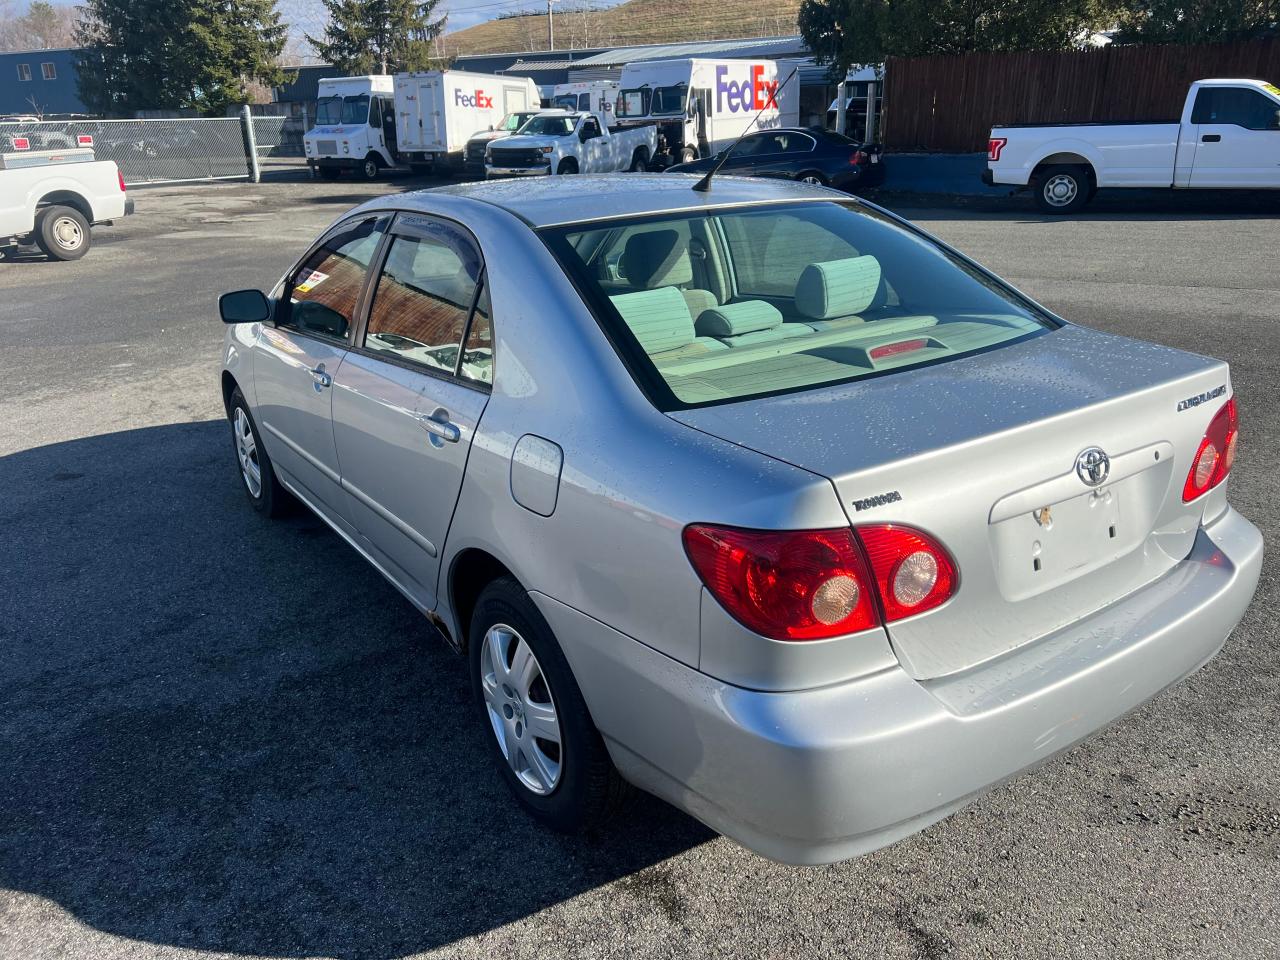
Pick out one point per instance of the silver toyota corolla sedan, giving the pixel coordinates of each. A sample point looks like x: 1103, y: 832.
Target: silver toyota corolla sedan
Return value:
x: 759, y: 499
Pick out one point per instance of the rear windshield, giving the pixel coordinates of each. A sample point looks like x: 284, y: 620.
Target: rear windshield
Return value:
x: 717, y: 307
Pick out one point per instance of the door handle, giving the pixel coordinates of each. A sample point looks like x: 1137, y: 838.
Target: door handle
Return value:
x: 319, y: 378
x: 440, y: 428
x: 1211, y: 138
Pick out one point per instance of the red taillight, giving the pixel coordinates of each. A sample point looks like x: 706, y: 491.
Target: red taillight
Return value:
x: 994, y: 146
x: 1215, y: 455
x: 859, y: 158
x: 786, y: 585
x: 120, y: 177
x: 913, y: 572
x: 815, y: 584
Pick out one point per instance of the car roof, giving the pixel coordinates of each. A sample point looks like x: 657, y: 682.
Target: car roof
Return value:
x: 553, y: 201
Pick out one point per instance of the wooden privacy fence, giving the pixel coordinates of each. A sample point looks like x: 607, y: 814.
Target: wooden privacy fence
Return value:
x: 949, y: 104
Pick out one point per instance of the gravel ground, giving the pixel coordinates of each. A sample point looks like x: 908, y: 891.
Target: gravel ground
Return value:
x: 225, y: 737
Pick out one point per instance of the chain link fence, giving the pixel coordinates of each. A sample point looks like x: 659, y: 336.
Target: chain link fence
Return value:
x: 162, y: 151
x: 279, y: 136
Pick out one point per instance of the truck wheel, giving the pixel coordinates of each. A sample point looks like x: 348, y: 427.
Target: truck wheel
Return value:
x: 813, y: 177
x: 62, y: 233
x: 1062, y: 189
x: 638, y: 161
x: 688, y: 155
x: 539, y: 731
x: 369, y: 169
x: 567, y: 166
x: 330, y: 173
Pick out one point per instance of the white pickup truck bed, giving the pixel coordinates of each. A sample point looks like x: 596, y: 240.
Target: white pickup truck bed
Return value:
x: 1227, y: 138
x: 53, y: 199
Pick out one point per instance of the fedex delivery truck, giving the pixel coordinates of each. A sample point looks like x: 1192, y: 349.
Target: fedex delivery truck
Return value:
x: 587, y: 96
x: 355, y: 127
x: 438, y: 111
x: 703, y: 106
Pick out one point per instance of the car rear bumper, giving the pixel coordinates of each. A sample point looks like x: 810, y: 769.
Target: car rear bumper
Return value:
x: 820, y: 775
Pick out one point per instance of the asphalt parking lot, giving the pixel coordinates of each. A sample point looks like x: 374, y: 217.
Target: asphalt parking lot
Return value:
x: 223, y: 736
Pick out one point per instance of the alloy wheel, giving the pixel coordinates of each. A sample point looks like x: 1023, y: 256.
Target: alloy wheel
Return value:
x: 247, y: 452
x: 522, y: 712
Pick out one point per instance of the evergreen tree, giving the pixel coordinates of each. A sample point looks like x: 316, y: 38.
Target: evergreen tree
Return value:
x: 379, y: 36
x: 846, y: 33
x: 1198, y: 21
x: 167, y: 54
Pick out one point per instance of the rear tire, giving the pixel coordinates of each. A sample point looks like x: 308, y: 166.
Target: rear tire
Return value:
x: 688, y: 155
x: 370, y: 167
x: 567, y: 166
x: 570, y: 785
x: 62, y: 233
x: 257, y: 475
x: 639, y: 162
x: 812, y: 177
x: 1063, y: 188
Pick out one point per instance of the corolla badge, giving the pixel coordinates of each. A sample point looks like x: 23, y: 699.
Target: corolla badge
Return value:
x: 1093, y: 466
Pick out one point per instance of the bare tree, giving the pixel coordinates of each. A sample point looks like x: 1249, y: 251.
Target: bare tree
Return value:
x: 41, y: 26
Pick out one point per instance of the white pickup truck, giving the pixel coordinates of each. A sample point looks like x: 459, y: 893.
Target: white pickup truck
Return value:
x: 566, y: 141
x: 1228, y: 138
x: 53, y: 198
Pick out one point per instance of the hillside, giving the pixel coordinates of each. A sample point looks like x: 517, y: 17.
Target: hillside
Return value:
x: 637, y: 21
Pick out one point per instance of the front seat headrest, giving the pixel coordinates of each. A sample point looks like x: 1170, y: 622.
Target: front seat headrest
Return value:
x: 656, y: 258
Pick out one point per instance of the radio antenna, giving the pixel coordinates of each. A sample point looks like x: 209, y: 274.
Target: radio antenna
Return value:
x: 704, y: 185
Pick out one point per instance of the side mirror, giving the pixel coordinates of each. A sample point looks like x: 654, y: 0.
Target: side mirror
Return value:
x: 244, y: 306
x: 583, y: 135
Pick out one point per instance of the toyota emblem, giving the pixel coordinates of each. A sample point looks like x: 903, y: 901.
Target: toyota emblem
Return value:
x: 1093, y: 466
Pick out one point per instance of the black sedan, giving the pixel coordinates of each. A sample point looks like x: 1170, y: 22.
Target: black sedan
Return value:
x: 813, y: 156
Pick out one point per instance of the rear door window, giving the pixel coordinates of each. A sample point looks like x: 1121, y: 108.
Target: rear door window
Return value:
x: 425, y: 298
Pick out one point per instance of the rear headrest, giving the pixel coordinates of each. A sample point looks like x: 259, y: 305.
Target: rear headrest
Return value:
x: 656, y: 259
x: 735, y: 319
x: 838, y: 288
x: 660, y: 319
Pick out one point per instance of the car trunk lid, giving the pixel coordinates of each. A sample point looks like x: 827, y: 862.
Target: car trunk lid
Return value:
x: 981, y: 452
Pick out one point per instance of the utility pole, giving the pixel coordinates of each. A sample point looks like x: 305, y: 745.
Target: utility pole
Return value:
x: 551, y: 30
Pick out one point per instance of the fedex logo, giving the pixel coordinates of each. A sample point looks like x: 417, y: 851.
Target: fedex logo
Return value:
x: 477, y: 100
x: 754, y: 93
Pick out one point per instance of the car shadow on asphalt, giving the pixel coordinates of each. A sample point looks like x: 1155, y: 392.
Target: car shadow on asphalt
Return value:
x: 230, y: 734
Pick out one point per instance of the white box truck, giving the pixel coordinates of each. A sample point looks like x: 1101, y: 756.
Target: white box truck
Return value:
x: 703, y: 106
x: 587, y: 96
x: 355, y: 127
x: 438, y: 111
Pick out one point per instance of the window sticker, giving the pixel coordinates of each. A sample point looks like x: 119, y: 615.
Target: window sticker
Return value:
x: 313, y: 280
